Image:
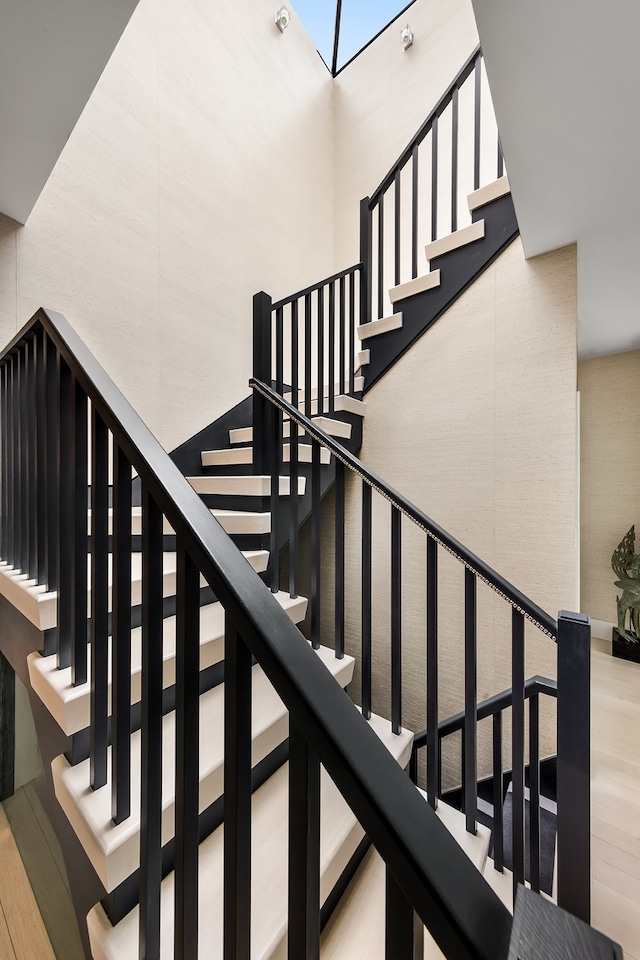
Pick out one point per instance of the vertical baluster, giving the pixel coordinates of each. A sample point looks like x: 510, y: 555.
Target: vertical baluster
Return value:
x: 151, y: 729
x: 534, y: 793
x: 79, y: 550
x: 11, y: 511
x: 381, y: 256
x: 414, y: 212
x: 332, y: 348
x: 32, y: 454
x: 321, y: 335
x: 25, y: 474
x: 433, y: 764
x: 498, y: 796
x: 339, y: 563
x: 294, y: 474
x: 397, y: 228
x: 366, y: 258
x: 434, y: 178
x: 98, y: 733
x: 121, y: 640
x: 187, y: 715
x: 396, y: 620
x: 276, y: 429
x: 237, y: 794
x: 517, y: 736
x: 262, y: 370
x: 4, y: 369
x: 280, y: 351
x: 366, y: 600
x: 65, y: 511
x: 454, y: 161
x: 304, y: 847
x: 400, y: 928
x: 352, y: 331
x: 53, y: 430
x: 342, y: 353
x: 41, y: 440
x: 307, y: 354
x: 295, y: 397
x: 500, y: 160
x: 476, y: 120
x: 316, y: 543
x: 470, y: 700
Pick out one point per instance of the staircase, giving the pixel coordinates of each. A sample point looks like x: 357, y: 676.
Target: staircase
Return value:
x: 224, y: 791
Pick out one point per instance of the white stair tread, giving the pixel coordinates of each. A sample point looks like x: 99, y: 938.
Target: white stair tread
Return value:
x: 409, y: 289
x: 233, y: 521
x: 335, y: 428
x: 305, y: 453
x: 375, y: 327
x: 340, y: 835
x: 363, y: 358
x: 492, y: 191
x: 357, y: 927
x: 326, y: 390
x: 226, y: 455
x: 249, y: 486
x: 453, y: 241
x: 241, y: 435
x: 341, y: 404
x: 69, y: 705
x: 114, y: 849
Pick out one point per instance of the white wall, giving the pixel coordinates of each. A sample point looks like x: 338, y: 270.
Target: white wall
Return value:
x: 200, y: 172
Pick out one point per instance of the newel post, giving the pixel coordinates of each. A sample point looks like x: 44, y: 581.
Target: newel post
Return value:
x: 574, y: 764
x: 365, y: 260
x: 261, y: 371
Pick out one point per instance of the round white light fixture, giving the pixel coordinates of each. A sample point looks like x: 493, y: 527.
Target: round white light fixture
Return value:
x: 283, y: 18
x: 406, y: 37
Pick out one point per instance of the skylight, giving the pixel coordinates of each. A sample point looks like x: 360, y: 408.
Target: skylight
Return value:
x: 360, y: 22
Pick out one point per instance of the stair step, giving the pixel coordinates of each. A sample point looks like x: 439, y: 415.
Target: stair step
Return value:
x: 233, y: 521
x: 305, y: 453
x: 335, y: 428
x: 363, y: 359
x: 241, y: 435
x: 340, y: 835
x: 69, y: 705
x: 357, y: 927
x: 492, y: 191
x: 409, y: 289
x: 249, y: 486
x: 216, y: 458
x: 375, y: 327
x: 114, y: 849
x: 341, y: 404
x: 358, y: 386
x: 453, y: 241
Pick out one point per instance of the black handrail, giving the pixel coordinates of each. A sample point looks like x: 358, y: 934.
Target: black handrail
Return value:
x: 502, y: 587
x: 464, y: 915
x: 315, y: 286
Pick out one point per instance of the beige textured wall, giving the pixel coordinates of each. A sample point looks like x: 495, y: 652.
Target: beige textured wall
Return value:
x: 200, y: 172
x: 476, y: 425
x: 610, y: 472
x: 381, y: 99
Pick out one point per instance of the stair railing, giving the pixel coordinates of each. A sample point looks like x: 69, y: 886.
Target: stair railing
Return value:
x: 571, y: 632
x: 455, y: 151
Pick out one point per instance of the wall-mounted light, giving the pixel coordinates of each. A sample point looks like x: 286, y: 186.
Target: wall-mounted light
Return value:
x: 406, y: 37
x: 283, y: 18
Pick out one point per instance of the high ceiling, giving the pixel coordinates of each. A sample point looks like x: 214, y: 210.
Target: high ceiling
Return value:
x: 353, y: 23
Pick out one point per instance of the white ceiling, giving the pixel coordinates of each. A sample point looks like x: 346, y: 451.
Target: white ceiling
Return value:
x: 565, y: 81
x: 52, y: 53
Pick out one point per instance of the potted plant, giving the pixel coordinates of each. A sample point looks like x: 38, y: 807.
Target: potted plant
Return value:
x: 625, y: 641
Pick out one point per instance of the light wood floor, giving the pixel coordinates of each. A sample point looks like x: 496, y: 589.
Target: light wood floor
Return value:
x: 615, y: 798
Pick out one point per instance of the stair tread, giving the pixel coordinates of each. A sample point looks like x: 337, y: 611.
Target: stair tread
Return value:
x: 114, y: 849
x: 492, y: 191
x: 340, y: 835
x: 377, y: 327
x: 69, y: 704
x: 221, y: 515
x: 459, y: 238
x: 247, y: 486
x: 343, y: 403
x: 326, y: 390
x: 427, y: 281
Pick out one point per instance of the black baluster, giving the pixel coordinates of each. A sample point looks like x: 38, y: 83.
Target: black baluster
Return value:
x: 433, y: 764
x: 53, y: 464
x: 339, y: 562
x: 295, y: 398
x: 98, y: 733
x: 534, y: 793
x: 381, y: 256
x: 304, y: 847
x: 237, y: 794
x: 187, y: 716
x: 121, y: 640
x: 316, y: 544
x: 307, y: 354
x: 434, y: 179
x: 366, y: 259
x: 517, y: 735
x: 276, y: 429
x: 41, y: 457
x: 25, y: 474
x: 294, y: 474
x: 5, y: 459
x: 366, y: 600
x: 500, y: 160
x: 342, y: 353
x: 397, y: 228
x: 65, y: 486
x: 414, y: 212
x: 332, y: 348
x: 498, y: 795
x: 262, y: 371
x: 396, y: 620
x: 79, y: 580
x: 9, y: 555
x: 352, y: 331
x: 321, y: 334
x: 470, y: 700
x: 151, y: 729
x: 32, y: 455
x: 280, y: 351
x: 476, y: 121
x: 400, y: 927
x: 454, y: 160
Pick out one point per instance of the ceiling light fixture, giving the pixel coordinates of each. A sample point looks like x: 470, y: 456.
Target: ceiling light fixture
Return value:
x: 406, y: 37
x: 282, y: 18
